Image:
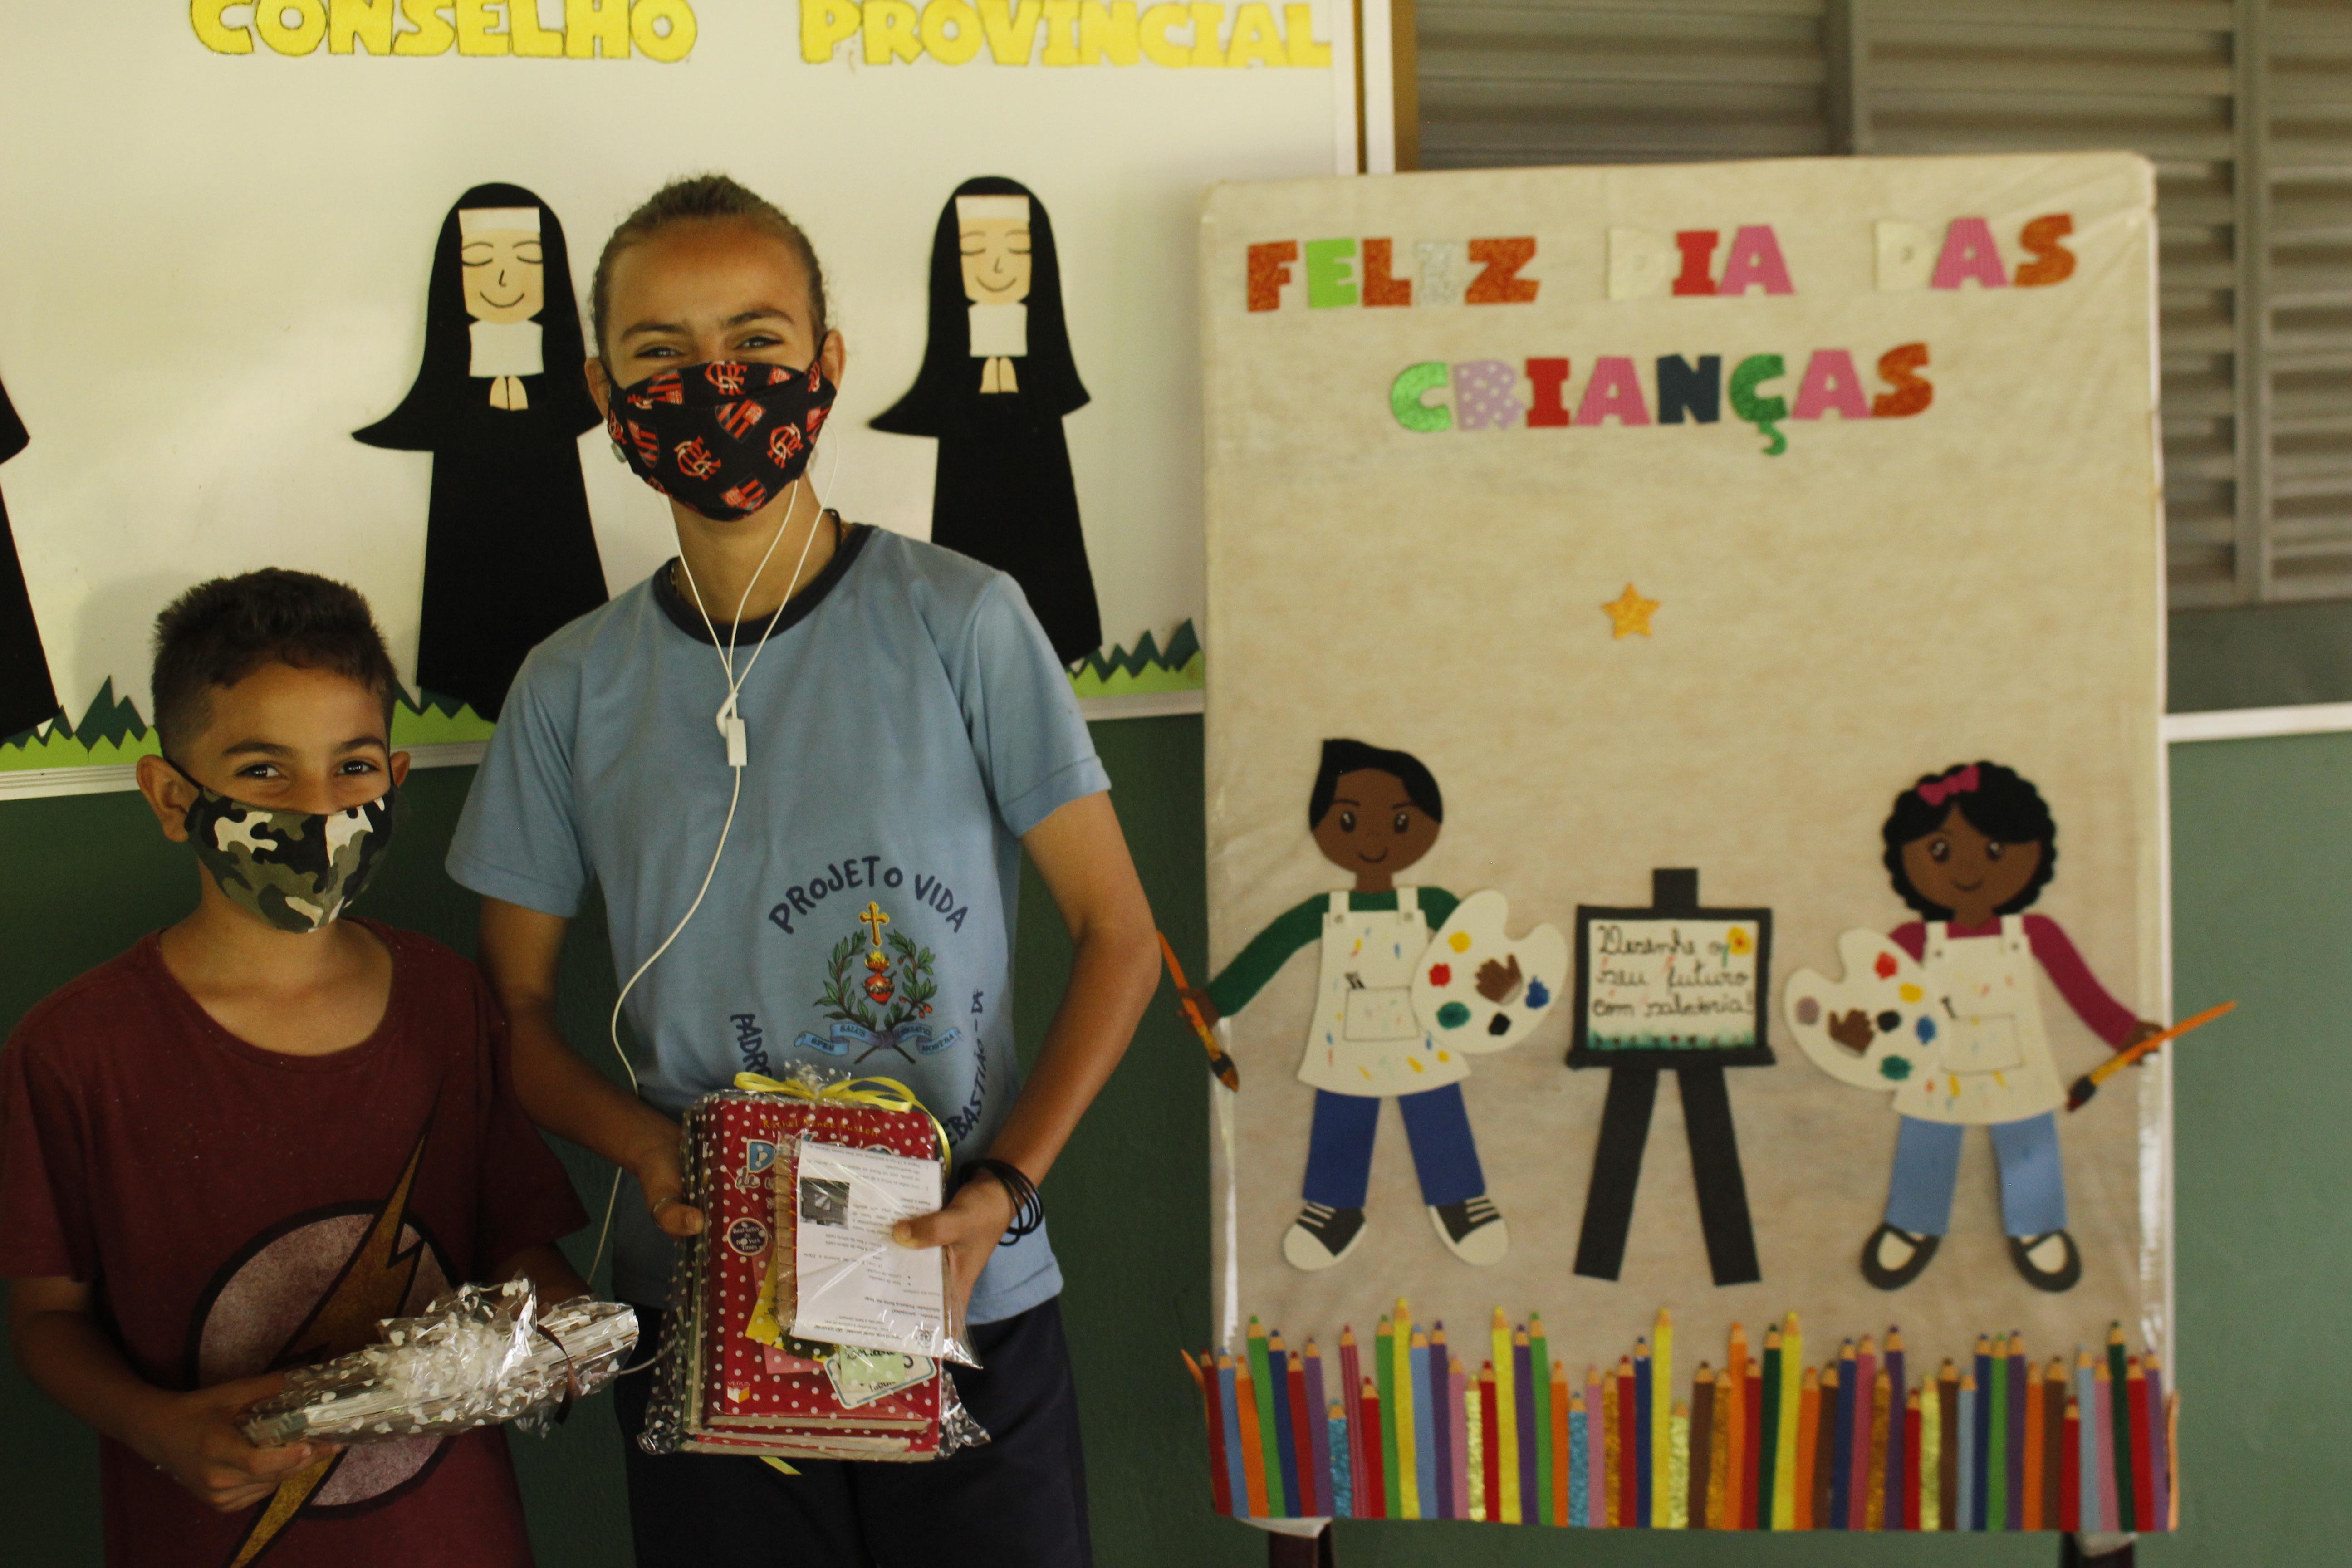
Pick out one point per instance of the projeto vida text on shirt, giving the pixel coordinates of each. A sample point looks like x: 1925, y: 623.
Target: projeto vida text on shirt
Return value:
x: 862, y: 873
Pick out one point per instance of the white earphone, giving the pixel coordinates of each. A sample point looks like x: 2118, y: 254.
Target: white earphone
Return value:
x: 732, y: 729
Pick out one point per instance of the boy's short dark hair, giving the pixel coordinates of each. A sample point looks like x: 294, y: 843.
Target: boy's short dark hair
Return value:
x: 1354, y: 756
x: 219, y: 632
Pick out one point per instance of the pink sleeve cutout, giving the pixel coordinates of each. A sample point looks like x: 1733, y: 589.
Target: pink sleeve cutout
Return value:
x: 2106, y: 1017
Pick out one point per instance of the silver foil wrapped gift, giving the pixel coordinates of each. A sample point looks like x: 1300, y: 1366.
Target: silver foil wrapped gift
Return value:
x: 480, y: 1355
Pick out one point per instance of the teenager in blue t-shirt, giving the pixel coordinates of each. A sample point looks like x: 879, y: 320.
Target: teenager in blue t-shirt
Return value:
x: 879, y: 729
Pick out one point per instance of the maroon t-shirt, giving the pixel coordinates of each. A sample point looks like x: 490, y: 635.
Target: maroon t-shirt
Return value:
x: 238, y: 1209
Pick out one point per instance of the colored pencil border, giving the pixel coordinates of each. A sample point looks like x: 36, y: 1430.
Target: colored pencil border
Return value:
x: 1867, y: 1440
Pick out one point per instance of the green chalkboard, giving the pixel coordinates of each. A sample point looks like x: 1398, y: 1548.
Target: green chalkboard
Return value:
x: 2262, y: 886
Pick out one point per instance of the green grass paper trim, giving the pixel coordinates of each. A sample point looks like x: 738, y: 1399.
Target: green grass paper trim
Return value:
x: 1148, y: 670
x: 112, y: 732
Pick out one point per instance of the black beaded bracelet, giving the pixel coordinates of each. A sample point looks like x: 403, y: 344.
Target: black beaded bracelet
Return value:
x: 1028, y: 1207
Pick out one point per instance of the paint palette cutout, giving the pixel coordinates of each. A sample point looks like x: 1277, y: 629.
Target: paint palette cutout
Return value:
x: 1884, y: 992
x: 1480, y: 989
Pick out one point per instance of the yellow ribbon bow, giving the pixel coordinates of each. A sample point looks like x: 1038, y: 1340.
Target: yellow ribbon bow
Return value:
x: 880, y: 1093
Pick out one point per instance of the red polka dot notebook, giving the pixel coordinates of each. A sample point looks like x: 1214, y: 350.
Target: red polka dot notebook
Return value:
x: 741, y: 1385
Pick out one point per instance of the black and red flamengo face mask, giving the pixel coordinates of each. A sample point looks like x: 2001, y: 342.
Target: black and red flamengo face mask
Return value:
x: 724, y: 437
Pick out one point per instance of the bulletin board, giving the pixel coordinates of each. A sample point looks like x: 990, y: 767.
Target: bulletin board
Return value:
x: 223, y: 221
x: 1649, y: 590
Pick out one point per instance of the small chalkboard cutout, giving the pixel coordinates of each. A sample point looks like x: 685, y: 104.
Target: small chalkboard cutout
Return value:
x: 1680, y: 987
x: 1671, y: 984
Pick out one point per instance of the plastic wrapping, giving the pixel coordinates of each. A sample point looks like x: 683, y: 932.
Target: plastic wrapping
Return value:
x: 737, y: 1374
x: 480, y: 1355
x: 839, y: 1277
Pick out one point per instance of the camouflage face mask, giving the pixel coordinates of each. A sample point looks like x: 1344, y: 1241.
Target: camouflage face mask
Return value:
x: 295, y: 869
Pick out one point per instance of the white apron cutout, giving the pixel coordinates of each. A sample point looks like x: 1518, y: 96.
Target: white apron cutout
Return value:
x: 1366, y: 1038
x: 1994, y: 1062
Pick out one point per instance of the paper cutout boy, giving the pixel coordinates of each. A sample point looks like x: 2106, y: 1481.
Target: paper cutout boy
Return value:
x: 1970, y: 848
x: 1373, y: 814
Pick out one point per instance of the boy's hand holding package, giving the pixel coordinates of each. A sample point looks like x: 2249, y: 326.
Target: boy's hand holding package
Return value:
x: 194, y: 1438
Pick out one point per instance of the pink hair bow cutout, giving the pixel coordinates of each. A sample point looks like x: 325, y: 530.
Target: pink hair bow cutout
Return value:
x: 1959, y: 781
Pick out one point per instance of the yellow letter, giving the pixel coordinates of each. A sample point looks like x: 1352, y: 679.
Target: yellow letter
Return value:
x: 950, y: 48
x: 1206, y: 20
x: 269, y: 19
x: 668, y: 47
x: 1106, y: 30
x: 474, y: 34
x: 433, y: 35
x: 1304, y: 50
x: 204, y: 17
x: 1255, y: 38
x: 891, y: 32
x: 366, y: 22
x: 1061, y: 32
x: 592, y: 28
x: 824, y: 25
x: 1157, y: 23
x: 529, y: 37
x: 1011, y: 37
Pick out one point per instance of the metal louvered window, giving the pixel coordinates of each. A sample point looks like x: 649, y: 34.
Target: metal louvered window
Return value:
x: 2244, y: 106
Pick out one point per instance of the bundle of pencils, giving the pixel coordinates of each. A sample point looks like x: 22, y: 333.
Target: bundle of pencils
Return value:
x: 1995, y: 1441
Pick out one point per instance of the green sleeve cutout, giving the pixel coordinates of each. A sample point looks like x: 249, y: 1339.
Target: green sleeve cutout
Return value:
x: 1268, y: 953
x: 1439, y: 906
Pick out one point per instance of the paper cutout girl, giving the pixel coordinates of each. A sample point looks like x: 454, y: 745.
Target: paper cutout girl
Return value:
x: 996, y: 382
x: 28, y: 696
x: 1960, y: 1037
x: 1373, y: 814
x: 501, y: 402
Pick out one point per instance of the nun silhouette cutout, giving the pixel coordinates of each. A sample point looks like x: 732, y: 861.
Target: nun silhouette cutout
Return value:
x: 996, y: 381
x: 501, y: 402
x: 28, y: 696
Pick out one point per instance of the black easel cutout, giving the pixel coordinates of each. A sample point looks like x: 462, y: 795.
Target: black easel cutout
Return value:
x: 1639, y: 935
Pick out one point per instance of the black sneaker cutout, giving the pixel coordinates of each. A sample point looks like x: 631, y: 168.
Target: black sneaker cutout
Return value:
x: 1460, y: 1219
x: 1334, y: 1230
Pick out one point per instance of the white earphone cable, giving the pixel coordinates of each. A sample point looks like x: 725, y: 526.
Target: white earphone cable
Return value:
x: 728, y: 715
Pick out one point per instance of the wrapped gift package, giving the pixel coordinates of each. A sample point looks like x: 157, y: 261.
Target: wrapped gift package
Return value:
x: 732, y: 1379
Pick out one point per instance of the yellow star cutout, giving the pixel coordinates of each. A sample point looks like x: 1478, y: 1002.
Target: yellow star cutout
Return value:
x: 1630, y: 613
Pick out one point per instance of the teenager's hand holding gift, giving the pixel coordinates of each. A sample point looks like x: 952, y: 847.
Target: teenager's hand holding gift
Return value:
x: 968, y: 1230
x: 661, y: 1178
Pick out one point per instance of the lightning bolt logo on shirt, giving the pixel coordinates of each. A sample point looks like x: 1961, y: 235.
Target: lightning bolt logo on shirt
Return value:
x: 372, y: 1287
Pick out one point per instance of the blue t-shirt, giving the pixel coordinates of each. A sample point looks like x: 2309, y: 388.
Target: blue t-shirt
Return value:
x: 907, y: 723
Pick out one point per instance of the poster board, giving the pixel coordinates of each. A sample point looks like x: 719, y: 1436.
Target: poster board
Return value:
x: 1696, y: 518
x: 227, y: 212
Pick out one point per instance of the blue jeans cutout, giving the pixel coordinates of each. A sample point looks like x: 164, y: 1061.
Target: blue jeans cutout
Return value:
x: 1928, y: 1166
x: 1436, y: 1125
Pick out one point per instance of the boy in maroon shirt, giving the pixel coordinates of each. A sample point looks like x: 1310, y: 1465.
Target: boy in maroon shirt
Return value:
x: 241, y: 1144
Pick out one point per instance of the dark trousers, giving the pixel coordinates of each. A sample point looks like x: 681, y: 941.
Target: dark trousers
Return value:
x: 1017, y: 1501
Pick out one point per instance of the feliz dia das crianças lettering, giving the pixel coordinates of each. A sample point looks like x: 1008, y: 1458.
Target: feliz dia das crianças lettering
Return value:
x: 1433, y: 396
